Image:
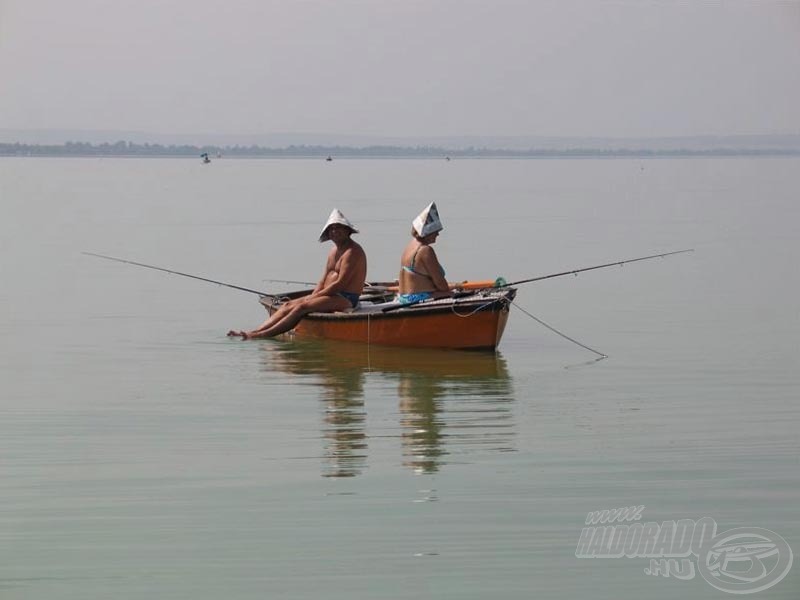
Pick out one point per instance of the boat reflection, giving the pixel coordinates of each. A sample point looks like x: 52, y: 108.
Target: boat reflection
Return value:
x: 448, y: 404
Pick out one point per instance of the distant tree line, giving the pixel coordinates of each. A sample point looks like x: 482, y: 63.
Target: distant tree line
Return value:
x: 123, y: 148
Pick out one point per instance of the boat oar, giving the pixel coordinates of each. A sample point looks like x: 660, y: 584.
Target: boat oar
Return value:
x: 171, y: 272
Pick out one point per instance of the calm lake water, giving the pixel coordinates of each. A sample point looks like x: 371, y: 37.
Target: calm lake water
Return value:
x: 146, y: 455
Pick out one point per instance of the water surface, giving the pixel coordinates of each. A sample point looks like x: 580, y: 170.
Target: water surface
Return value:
x: 144, y: 454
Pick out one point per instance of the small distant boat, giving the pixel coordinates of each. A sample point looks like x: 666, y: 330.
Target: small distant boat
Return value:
x: 470, y: 320
x: 329, y: 159
x: 205, y: 158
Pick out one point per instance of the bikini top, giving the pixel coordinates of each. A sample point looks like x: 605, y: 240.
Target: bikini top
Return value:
x: 410, y: 268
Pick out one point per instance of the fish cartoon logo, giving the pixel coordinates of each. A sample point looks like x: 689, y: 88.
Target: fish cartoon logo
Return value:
x: 745, y: 560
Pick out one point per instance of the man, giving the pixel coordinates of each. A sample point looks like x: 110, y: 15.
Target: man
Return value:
x: 338, y: 289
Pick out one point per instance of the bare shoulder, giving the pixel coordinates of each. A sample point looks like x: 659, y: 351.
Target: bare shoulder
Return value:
x: 426, y: 252
x: 356, y: 250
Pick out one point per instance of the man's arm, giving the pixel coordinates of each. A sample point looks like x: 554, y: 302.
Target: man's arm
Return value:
x: 348, y: 269
x: 329, y: 263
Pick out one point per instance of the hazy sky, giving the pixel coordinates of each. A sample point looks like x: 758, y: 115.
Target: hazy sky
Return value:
x: 402, y: 67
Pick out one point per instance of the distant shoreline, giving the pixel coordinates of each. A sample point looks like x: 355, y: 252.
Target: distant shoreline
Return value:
x: 132, y: 150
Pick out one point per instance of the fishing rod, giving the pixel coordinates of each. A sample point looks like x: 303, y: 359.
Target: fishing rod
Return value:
x: 367, y: 284
x: 500, y: 283
x: 289, y: 281
x: 576, y: 271
x: 138, y: 264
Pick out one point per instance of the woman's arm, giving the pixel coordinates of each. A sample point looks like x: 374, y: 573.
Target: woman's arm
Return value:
x: 428, y: 257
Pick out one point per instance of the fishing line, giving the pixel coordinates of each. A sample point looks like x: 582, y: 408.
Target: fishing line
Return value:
x: 469, y: 314
x: 554, y: 330
x: 369, y: 363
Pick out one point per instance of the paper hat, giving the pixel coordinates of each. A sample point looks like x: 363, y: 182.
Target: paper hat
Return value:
x: 428, y: 222
x: 336, y: 218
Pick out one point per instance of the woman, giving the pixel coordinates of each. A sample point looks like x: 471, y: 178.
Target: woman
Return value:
x: 421, y: 275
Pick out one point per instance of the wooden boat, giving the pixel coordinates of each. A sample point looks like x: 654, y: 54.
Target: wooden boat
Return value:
x: 470, y: 320
x: 474, y: 318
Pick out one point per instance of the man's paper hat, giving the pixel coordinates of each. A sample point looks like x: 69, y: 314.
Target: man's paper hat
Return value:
x: 336, y: 218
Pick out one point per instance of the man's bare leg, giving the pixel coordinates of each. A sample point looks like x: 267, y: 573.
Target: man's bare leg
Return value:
x: 273, y: 318
x: 295, y: 313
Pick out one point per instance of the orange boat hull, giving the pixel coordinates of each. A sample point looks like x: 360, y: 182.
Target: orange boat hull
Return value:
x: 482, y: 331
x: 478, y: 325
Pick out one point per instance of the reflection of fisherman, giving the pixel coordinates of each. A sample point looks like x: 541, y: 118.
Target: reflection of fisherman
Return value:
x: 448, y: 402
x: 422, y: 426
x: 345, y: 415
x: 345, y: 436
x: 338, y: 289
x: 341, y: 381
x: 452, y: 402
